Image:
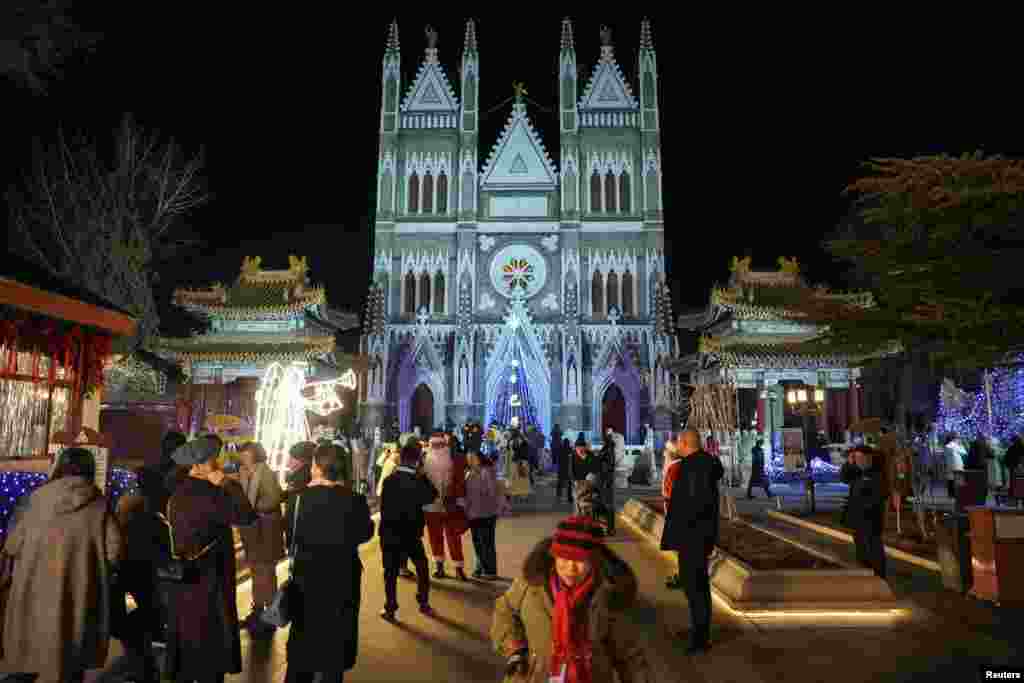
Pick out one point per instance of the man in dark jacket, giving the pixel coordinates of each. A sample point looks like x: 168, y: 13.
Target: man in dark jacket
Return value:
x: 691, y: 529
x: 563, y: 461
x: 758, y: 477
x: 402, y: 521
x: 865, y: 511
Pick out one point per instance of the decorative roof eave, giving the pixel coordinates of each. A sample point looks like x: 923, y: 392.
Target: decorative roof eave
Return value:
x: 729, y: 359
x: 311, y: 298
x: 519, y: 115
x: 205, y: 349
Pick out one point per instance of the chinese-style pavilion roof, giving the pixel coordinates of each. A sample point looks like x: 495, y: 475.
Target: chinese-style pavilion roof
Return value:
x: 770, y: 356
x: 252, y: 348
x: 31, y: 289
x: 257, y: 293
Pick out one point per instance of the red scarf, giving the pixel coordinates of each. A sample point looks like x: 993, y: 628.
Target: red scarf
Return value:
x: 571, y: 644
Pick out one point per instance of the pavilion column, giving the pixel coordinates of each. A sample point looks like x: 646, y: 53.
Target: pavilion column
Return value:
x: 761, y: 410
x: 854, y: 402
x: 822, y: 417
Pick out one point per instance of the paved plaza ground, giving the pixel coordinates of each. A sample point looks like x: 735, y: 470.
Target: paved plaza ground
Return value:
x: 946, y: 637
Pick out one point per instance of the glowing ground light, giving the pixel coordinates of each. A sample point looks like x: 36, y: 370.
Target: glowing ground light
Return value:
x: 281, y: 414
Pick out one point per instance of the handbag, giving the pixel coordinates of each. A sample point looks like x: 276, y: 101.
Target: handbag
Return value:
x: 279, y: 613
x: 174, y: 568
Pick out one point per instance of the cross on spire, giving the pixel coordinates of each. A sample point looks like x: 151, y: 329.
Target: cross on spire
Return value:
x: 567, y: 34
x: 423, y: 316
x: 392, y: 45
x: 470, y: 45
x: 614, y: 315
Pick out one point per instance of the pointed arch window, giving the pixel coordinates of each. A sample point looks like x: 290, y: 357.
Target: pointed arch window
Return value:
x: 627, y: 295
x: 414, y: 193
x: 439, y: 293
x: 428, y: 194
x: 424, y: 298
x: 612, y: 288
x: 597, y: 294
x: 595, y: 193
x: 624, y: 205
x: 409, y: 293
x: 442, y: 194
x: 609, y: 192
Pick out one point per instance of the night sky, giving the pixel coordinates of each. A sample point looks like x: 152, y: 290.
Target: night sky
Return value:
x: 763, y: 125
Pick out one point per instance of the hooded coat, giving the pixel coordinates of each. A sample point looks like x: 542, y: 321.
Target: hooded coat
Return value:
x: 524, y: 613
x: 65, y: 538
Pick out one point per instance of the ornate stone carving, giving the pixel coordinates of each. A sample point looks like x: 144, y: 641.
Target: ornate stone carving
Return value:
x: 486, y: 243
x: 550, y: 302
x: 487, y: 302
x: 550, y: 242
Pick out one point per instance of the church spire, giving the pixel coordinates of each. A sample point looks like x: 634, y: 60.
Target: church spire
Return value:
x: 646, y: 42
x: 392, y: 45
x: 470, y: 45
x: 567, y: 34
x: 431, y: 51
x: 607, y: 50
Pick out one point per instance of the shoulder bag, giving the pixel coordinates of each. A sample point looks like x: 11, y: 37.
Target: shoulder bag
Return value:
x: 279, y: 613
x: 176, y: 568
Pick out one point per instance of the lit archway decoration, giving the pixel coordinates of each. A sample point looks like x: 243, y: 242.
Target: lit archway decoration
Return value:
x: 281, y: 414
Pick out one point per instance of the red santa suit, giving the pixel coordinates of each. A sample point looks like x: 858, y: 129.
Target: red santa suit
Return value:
x: 446, y: 517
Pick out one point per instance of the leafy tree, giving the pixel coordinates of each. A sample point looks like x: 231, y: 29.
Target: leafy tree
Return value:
x: 36, y: 37
x: 937, y: 240
x: 104, y: 220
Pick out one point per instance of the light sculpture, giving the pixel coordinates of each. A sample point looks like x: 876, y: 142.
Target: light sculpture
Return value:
x: 281, y: 414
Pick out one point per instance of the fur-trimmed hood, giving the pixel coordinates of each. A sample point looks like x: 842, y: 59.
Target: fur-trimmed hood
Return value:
x: 619, y: 588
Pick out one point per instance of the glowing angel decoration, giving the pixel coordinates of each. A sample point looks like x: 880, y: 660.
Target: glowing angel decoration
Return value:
x: 519, y: 90
x: 281, y: 414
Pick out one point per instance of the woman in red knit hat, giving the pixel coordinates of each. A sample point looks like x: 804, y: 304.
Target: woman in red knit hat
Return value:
x: 556, y: 622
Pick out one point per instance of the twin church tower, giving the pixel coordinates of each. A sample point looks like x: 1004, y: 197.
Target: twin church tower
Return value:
x: 506, y: 286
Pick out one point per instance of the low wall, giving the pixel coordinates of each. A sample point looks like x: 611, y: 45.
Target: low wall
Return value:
x: 745, y: 589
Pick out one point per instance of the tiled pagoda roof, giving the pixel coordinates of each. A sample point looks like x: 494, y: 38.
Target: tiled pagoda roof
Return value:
x: 770, y: 356
x: 247, y: 348
x: 256, y: 293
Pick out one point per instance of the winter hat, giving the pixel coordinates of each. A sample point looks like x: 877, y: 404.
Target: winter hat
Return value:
x: 671, y: 451
x: 197, y: 451
x: 580, y: 441
x: 576, y: 538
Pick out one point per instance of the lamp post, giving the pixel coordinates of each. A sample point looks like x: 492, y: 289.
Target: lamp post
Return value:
x: 807, y: 403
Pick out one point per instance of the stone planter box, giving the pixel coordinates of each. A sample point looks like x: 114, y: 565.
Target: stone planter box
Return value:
x: 839, y: 588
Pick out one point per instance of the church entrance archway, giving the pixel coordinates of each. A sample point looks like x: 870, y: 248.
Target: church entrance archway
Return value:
x: 422, y: 409
x: 613, y: 409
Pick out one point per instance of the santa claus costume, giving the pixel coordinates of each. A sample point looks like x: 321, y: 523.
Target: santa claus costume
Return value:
x: 446, y: 517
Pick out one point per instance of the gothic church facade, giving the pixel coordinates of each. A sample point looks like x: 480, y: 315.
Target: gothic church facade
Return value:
x: 516, y: 287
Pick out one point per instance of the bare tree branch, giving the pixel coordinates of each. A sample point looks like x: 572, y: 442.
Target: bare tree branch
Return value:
x: 103, y: 225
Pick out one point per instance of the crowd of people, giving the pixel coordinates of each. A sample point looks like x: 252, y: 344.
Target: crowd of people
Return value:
x: 170, y: 545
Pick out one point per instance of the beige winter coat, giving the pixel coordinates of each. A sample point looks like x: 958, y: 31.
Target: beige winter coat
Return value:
x: 523, y: 615
x: 263, y: 541
x: 57, y: 619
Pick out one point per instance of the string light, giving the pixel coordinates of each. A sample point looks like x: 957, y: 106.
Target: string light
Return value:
x: 970, y: 419
x: 14, y: 485
x: 322, y: 397
x: 281, y: 414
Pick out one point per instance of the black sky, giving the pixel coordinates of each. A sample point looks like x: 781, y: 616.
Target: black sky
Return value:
x: 764, y: 122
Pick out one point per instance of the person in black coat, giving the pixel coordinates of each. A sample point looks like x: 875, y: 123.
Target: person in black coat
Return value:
x: 332, y: 522
x: 563, y: 460
x: 299, y: 475
x: 865, y: 511
x: 758, y: 477
x: 402, y: 521
x: 691, y: 529
x: 1013, y: 458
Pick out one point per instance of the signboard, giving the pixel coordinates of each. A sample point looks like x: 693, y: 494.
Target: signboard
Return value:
x: 838, y: 379
x: 772, y: 377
